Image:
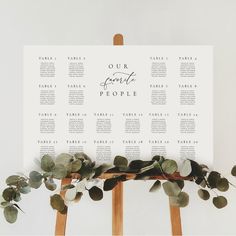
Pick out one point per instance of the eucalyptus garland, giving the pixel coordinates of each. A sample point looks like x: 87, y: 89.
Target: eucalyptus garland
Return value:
x: 88, y: 176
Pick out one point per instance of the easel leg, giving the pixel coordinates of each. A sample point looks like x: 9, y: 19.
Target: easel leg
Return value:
x: 60, y: 228
x: 175, y: 221
x: 117, y: 210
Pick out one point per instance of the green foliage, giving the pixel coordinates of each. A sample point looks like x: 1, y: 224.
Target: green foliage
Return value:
x: 87, y: 177
x: 203, y: 194
x: 120, y: 161
x: 169, y: 166
x: 59, y: 171
x: 47, y: 163
x: 96, y: 193
x: 171, y: 188
x: 220, y: 202
x: 233, y: 171
x: 222, y: 184
x: 57, y: 203
x: 156, y: 186
x: 10, y: 214
x: 185, y: 168
x: 181, y: 200
x: 109, y: 184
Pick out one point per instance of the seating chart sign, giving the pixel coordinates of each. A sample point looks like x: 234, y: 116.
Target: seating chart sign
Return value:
x: 135, y: 101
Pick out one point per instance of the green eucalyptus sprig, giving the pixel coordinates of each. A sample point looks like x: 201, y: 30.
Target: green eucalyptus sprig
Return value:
x: 88, y: 176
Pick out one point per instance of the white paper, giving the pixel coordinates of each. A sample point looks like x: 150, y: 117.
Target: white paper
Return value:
x: 135, y: 101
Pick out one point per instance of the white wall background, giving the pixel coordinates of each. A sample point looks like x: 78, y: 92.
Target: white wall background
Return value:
x: 93, y: 22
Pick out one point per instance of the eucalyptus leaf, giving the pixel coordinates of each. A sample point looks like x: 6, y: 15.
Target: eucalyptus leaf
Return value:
x: 70, y: 194
x: 47, y: 163
x: 17, y: 197
x: 78, y: 196
x: 213, y: 178
x: 35, y: 176
x: 13, y: 180
x: 139, y: 164
x: 86, y: 171
x: 222, y: 184
x: 57, y: 202
x: 5, y: 204
x: 35, y: 185
x: 220, y: 202
x: 76, y: 165
x: 59, y: 171
x: 156, y: 186
x: 10, y: 213
x: 169, y: 166
x: 109, y: 184
x: 96, y: 193
x: 146, y: 169
x: 158, y: 158
x: 180, y: 183
x: 101, y: 169
x: 142, y: 177
x: 50, y: 184
x: 120, y: 161
x: 67, y: 186
x: 64, y: 159
x: 82, y: 156
x: 196, y: 169
x: 185, y: 169
x: 171, y: 188
x: 64, y: 211
x: 9, y: 194
x: 24, y: 187
x: 181, y: 200
x: 203, y: 194
x: 203, y: 184
x: 199, y: 179
x: 233, y: 171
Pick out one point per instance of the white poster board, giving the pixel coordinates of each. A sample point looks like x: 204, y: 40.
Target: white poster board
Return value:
x: 135, y: 101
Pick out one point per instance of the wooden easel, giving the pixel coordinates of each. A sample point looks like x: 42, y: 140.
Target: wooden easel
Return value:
x: 117, y: 197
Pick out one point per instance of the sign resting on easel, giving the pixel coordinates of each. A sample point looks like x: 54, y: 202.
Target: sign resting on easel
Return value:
x: 136, y: 101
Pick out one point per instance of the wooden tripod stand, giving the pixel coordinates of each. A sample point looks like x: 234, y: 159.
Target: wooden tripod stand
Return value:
x: 117, y: 197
